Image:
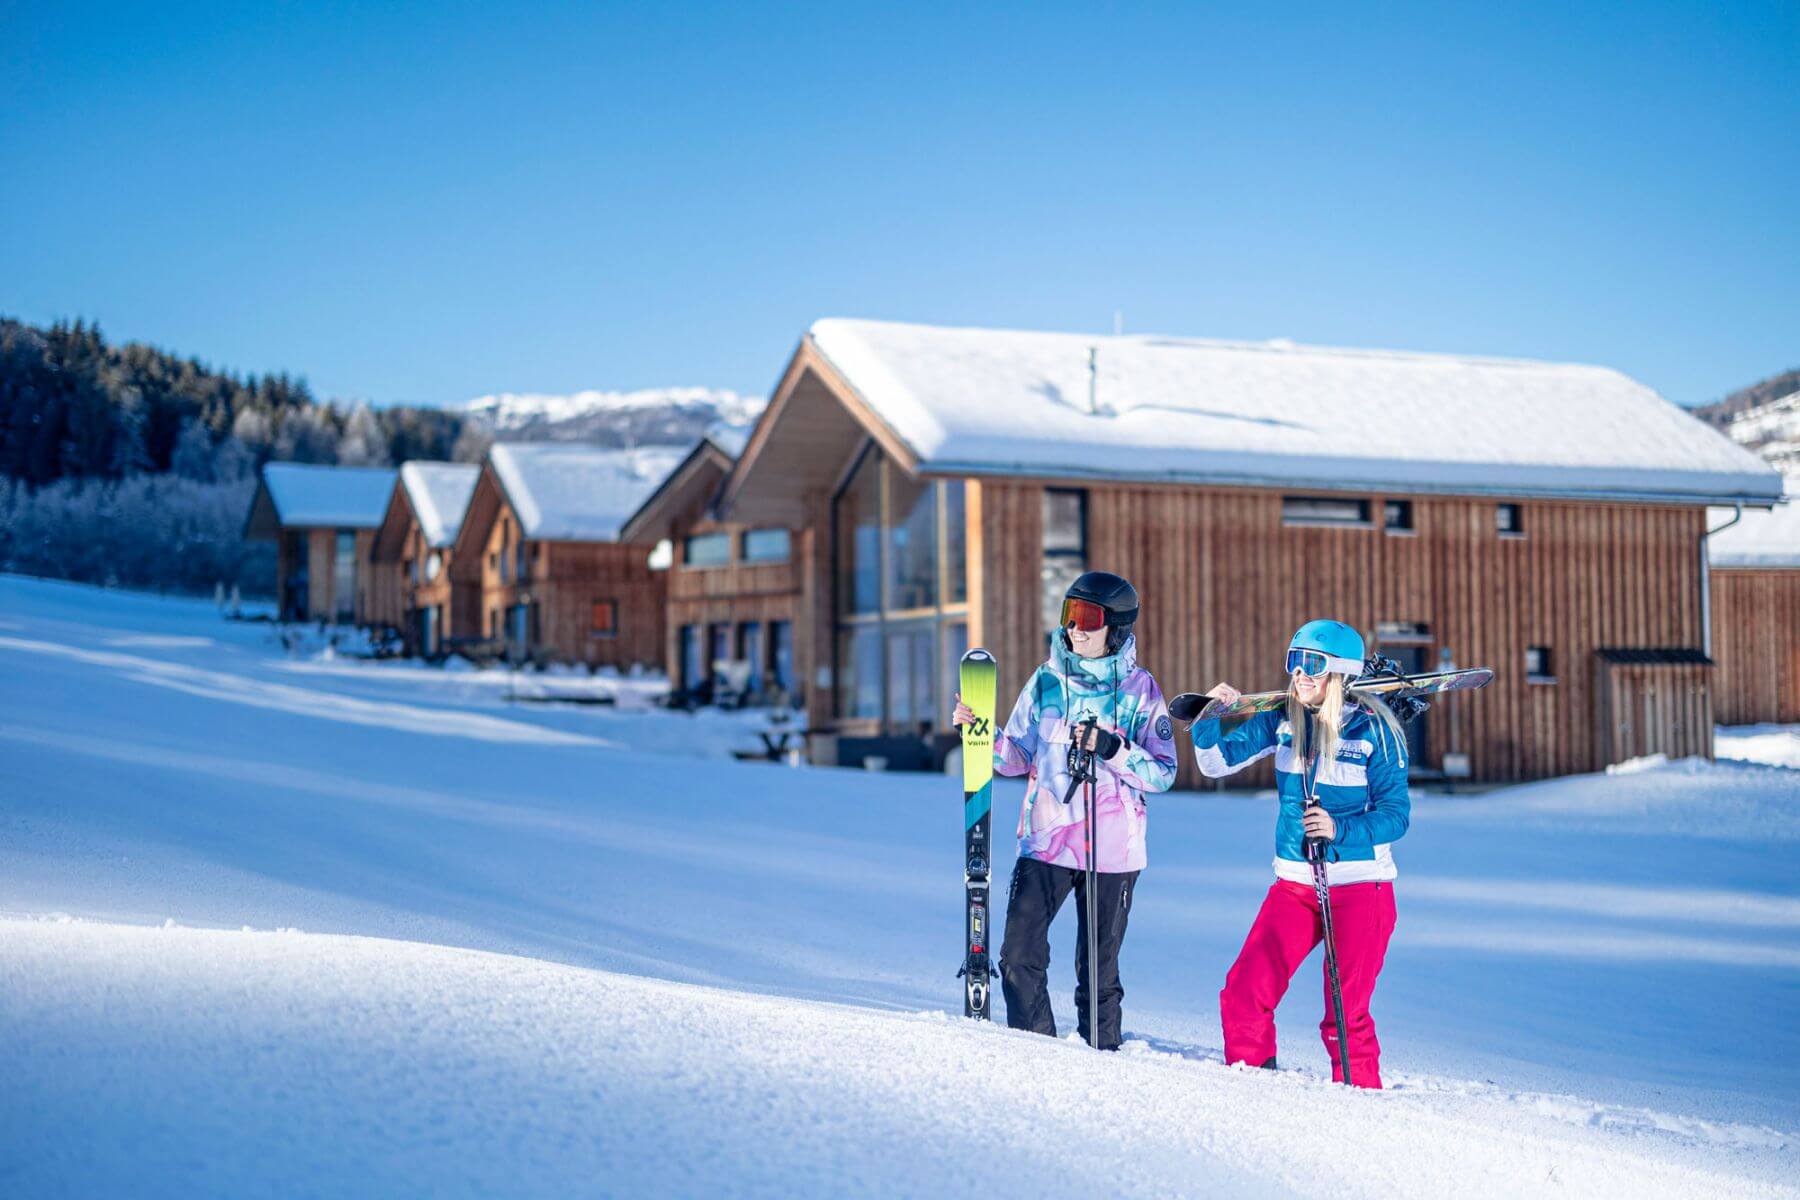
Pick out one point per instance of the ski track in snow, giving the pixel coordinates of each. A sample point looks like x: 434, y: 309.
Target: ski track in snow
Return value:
x: 1590, y: 992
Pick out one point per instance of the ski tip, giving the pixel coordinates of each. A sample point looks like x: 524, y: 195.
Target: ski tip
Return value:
x: 1187, y: 706
x: 977, y: 654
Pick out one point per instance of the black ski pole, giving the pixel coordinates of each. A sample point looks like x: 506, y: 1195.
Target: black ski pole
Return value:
x: 1315, y: 854
x: 1093, y: 919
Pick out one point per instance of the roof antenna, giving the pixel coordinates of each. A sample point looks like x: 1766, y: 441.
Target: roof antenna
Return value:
x: 1093, y: 381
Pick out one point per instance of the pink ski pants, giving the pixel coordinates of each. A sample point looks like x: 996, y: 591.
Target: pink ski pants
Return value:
x: 1286, y: 930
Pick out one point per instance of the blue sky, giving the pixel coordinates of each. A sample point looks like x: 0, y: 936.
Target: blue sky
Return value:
x: 424, y: 204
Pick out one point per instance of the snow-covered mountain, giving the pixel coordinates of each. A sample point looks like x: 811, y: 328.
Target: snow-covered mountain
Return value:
x: 1772, y: 430
x: 1764, y: 417
x: 650, y: 416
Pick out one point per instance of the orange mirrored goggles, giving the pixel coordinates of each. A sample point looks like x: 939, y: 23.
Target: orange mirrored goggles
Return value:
x: 1084, y: 615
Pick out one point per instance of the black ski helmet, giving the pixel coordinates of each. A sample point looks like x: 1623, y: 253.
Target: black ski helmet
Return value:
x: 1113, y: 593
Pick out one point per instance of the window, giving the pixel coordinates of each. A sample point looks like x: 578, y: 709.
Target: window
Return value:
x: 1539, y: 666
x: 1324, y: 510
x: 1064, y: 549
x: 343, y: 575
x: 764, y: 545
x: 693, y: 671
x: 912, y: 542
x: 718, y: 644
x: 603, y: 622
x: 750, y: 649
x: 1397, y: 516
x: 781, y: 635
x: 520, y: 571
x: 1510, y: 520
x: 900, y: 574
x: 707, y: 550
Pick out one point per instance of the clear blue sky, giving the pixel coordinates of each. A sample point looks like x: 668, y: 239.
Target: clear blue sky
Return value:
x: 413, y: 205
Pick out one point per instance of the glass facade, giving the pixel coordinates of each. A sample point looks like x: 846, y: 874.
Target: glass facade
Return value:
x: 707, y: 550
x: 902, y: 591
x: 765, y: 545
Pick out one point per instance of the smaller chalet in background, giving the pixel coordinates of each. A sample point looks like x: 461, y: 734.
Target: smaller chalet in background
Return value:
x: 540, y: 556
x: 734, y: 589
x: 411, y: 558
x: 323, y: 521
x: 1755, y: 591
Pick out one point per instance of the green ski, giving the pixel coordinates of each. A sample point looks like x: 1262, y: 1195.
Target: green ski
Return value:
x: 978, y: 682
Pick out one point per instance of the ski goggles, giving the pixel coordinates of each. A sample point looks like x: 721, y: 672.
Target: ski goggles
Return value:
x: 1317, y: 662
x: 1084, y: 615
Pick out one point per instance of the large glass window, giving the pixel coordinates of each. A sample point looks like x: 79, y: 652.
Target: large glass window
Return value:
x: 902, y: 580
x: 781, y: 633
x: 912, y: 542
x: 692, y: 670
x: 343, y: 574
x: 750, y: 649
x: 859, y: 538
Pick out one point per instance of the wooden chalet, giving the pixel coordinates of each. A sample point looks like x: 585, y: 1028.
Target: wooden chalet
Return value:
x: 1755, y: 566
x: 323, y: 521
x: 410, y: 558
x: 734, y: 593
x: 541, y: 561
x: 1542, y: 519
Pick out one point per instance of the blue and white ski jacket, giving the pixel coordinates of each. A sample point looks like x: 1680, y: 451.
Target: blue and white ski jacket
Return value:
x: 1364, y: 790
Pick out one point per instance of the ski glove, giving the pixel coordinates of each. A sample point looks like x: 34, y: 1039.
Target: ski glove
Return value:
x: 1106, y: 744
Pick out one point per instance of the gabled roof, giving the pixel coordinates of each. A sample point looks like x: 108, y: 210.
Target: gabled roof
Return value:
x: 1760, y: 539
x: 687, y: 489
x: 439, y: 494
x: 305, y: 496
x: 979, y: 402
x: 574, y: 493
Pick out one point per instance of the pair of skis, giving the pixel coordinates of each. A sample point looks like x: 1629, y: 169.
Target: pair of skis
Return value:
x: 978, y: 673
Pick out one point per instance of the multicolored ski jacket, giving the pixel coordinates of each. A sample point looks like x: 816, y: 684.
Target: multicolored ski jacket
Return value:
x: 1364, y: 790
x: 1065, y: 691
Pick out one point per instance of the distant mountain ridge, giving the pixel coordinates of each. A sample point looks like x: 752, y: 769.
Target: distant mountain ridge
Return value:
x: 672, y: 416
x: 1764, y: 417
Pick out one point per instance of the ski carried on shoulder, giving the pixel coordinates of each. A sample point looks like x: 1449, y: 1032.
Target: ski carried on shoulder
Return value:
x: 978, y: 679
x: 1192, y: 706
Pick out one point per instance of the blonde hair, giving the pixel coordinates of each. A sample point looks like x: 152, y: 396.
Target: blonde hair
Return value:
x: 1329, y: 718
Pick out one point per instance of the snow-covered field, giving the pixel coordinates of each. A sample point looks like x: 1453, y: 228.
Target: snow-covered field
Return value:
x: 555, y: 950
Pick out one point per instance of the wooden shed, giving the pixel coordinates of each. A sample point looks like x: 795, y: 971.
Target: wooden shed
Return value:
x: 1755, y: 566
x: 734, y: 593
x: 1459, y: 510
x: 540, y: 555
x: 410, y: 558
x: 323, y: 521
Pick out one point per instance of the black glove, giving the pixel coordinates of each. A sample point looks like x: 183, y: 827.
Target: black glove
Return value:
x: 1106, y: 744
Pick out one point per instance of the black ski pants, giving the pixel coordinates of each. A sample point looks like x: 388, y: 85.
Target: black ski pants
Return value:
x: 1038, y: 891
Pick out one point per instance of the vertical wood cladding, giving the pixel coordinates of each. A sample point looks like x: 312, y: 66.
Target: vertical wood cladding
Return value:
x: 1756, y: 643
x: 1225, y: 582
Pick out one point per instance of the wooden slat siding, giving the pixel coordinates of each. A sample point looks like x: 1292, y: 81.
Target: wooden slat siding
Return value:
x: 1756, y: 643
x: 814, y: 637
x: 1225, y: 582
x: 566, y: 579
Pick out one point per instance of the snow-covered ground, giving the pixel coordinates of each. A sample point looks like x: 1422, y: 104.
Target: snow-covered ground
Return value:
x: 1777, y: 745
x: 557, y: 950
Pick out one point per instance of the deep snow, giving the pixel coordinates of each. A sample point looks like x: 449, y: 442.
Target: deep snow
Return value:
x: 1591, y: 989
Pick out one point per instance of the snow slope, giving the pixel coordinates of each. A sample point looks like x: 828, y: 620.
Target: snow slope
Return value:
x: 548, y: 951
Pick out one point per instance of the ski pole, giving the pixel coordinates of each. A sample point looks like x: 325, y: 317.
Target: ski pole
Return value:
x: 1315, y: 854
x: 1093, y: 920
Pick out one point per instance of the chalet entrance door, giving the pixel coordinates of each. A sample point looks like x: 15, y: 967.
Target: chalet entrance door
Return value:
x: 1409, y: 644
x: 429, y: 633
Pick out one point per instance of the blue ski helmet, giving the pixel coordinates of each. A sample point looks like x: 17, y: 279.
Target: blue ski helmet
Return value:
x: 1319, y: 647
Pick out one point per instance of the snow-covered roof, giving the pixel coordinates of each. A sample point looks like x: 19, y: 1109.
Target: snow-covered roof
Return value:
x: 979, y: 401
x: 564, y: 492
x: 1760, y: 539
x: 328, y: 497
x: 439, y: 494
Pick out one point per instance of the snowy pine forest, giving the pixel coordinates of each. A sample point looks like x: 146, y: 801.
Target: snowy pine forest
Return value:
x: 128, y: 466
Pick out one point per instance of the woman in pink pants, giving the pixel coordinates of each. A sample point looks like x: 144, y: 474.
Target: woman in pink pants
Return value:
x: 1351, y: 748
